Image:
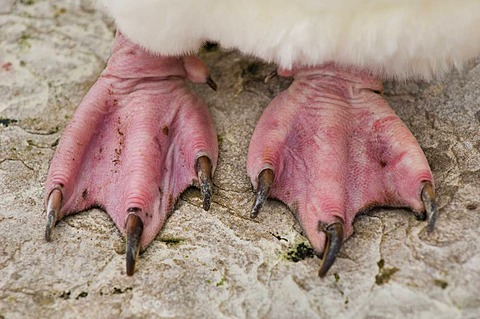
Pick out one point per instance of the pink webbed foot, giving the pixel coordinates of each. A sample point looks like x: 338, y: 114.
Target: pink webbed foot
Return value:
x: 135, y: 143
x: 330, y: 147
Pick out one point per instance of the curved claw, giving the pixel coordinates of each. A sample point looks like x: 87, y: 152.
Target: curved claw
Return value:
x: 265, y: 181
x: 134, y: 229
x: 428, y: 199
x: 333, y: 244
x: 54, y: 205
x: 211, y: 83
x: 204, y: 173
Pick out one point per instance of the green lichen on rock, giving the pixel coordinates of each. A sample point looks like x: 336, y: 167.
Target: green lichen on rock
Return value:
x: 171, y: 241
x: 384, y: 274
x: 24, y: 41
x: 337, y: 277
x: 27, y: 2
x: 440, y: 283
x: 300, y: 252
x: 6, y: 121
x: 221, y: 282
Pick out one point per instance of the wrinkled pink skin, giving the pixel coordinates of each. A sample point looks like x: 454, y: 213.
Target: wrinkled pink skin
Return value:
x: 336, y: 148
x: 134, y: 140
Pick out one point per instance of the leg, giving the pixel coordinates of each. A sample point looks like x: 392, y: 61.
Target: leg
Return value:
x: 331, y: 147
x: 138, y: 139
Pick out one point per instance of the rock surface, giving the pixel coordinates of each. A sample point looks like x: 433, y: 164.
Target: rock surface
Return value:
x: 220, y: 263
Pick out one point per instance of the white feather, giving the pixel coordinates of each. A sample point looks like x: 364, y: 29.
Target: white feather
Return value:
x: 393, y: 38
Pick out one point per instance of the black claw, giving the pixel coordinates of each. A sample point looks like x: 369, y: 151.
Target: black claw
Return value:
x: 54, y: 205
x: 204, y: 173
x: 211, y: 83
x: 428, y: 199
x: 333, y: 244
x: 134, y: 229
x: 265, y: 181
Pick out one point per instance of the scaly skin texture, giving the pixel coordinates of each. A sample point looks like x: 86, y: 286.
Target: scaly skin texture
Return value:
x: 134, y: 140
x: 336, y: 148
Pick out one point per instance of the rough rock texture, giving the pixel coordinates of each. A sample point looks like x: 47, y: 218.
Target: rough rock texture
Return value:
x: 221, y: 264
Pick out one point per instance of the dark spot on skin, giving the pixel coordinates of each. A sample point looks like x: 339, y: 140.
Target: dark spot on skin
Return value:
x: 472, y: 206
x: 121, y: 141
x: 440, y: 283
x: 83, y: 294
x: 85, y: 194
x: 165, y: 130
x: 300, y: 252
x: 6, y: 122
x: 384, y: 274
x: 383, y: 164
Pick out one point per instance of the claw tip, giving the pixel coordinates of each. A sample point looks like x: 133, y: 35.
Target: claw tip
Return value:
x: 265, y: 181
x: 134, y: 229
x: 333, y: 244
x: 428, y: 199
x: 211, y: 83
x: 207, y: 200
x: 255, y: 210
x: 204, y: 174
x: 54, y: 205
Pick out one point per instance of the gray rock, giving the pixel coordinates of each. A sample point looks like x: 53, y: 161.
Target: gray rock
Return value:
x: 221, y: 264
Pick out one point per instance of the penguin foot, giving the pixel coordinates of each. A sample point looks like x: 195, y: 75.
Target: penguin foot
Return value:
x: 330, y: 147
x: 135, y: 143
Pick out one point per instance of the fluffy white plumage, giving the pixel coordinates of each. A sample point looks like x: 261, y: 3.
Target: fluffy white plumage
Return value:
x: 393, y: 38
